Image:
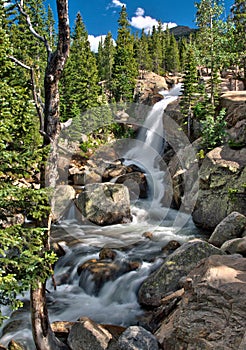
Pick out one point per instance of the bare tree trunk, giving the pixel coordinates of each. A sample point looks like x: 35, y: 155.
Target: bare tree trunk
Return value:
x: 43, y: 335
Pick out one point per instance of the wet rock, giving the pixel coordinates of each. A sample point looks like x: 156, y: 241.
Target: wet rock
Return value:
x: 88, y: 335
x: 148, y: 235
x: 235, y: 246
x: 137, y: 338
x: 105, y: 203
x: 166, y: 278
x: 13, y: 345
x: 222, y: 186
x: 229, y: 228
x: 107, y: 253
x: 211, y: 314
x: 136, y: 183
x: 62, y: 329
x: 99, y: 272
x: 170, y: 247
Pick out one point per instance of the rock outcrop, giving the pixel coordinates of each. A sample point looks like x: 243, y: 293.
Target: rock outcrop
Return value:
x: 235, y: 104
x: 148, y: 87
x: 222, y: 186
x: 211, y: 314
x: 177, y: 265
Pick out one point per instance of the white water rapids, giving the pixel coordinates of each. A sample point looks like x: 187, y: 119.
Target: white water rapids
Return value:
x: 116, y: 302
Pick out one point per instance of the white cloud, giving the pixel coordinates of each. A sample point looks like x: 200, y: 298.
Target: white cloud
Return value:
x: 95, y: 40
x: 146, y: 22
x: 117, y: 3
x: 139, y: 11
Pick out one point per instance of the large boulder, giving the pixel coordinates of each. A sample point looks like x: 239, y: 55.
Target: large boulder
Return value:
x: 212, y: 312
x: 177, y: 265
x: 235, y: 246
x: 105, y: 203
x: 222, y: 186
x: 231, y: 227
x: 88, y: 335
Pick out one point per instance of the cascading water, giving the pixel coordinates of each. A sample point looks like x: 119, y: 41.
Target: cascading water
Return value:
x: 116, y: 301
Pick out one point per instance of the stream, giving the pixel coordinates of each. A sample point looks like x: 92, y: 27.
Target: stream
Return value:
x: 116, y: 302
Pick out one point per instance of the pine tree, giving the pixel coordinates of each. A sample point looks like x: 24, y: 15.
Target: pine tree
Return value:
x: 172, y: 56
x: 182, y: 53
x: 239, y: 21
x: 125, y: 67
x: 21, y: 259
x: 141, y: 53
x: 156, y: 49
x: 105, y: 61
x: 211, y: 40
x: 79, y: 83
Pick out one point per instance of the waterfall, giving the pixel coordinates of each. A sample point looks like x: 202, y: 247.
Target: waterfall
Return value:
x: 149, y: 147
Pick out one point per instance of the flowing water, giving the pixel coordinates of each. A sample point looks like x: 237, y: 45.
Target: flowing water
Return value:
x: 116, y: 302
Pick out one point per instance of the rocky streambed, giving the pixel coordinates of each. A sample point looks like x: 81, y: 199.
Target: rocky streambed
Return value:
x: 151, y: 283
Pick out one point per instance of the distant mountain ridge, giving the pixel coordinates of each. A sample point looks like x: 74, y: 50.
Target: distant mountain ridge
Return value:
x: 182, y: 31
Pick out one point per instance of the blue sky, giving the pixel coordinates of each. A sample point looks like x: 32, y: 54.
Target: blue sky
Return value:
x: 100, y: 16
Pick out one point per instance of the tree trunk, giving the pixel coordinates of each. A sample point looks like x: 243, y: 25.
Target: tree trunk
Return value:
x: 43, y: 335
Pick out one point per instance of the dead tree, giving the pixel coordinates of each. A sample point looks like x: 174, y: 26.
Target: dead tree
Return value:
x: 50, y: 127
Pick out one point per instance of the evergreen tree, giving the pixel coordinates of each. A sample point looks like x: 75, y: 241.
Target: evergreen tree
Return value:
x: 172, y: 56
x: 22, y: 261
x: 79, y: 84
x: 156, y: 49
x: 239, y: 21
x: 141, y: 52
x: 165, y: 45
x: 26, y: 47
x: 105, y: 61
x: 182, y: 53
x: 125, y: 67
x: 210, y: 41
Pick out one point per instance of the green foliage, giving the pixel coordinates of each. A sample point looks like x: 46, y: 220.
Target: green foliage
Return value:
x: 23, y: 262
x: 172, y: 56
x: 79, y: 84
x: 213, y: 130
x: 125, y: 67
x: 23, y: 259
x: 211, y: 41
x: 141, y: 52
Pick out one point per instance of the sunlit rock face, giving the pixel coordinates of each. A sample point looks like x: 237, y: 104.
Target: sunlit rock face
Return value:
x: 211, y: 314
x: 222, y: 186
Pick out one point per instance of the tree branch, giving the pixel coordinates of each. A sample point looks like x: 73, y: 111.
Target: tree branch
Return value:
x: 23, y: 65
x: 36, y: 97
